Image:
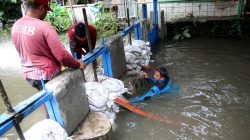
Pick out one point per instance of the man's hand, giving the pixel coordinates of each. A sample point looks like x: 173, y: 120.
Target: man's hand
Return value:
x: 82, y: 65
x: 144, y: 75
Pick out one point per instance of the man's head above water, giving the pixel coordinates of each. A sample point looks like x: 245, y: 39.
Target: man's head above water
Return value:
x: 38, y: 8
x: 161, y: 73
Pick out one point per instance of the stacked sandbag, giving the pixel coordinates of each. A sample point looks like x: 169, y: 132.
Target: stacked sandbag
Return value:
x: 101, y: 95
x: 137, y: 55
x: 46, y: 130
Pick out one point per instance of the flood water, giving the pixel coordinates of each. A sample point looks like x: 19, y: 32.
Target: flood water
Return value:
x: 214, y: 99
x: 213, y: 102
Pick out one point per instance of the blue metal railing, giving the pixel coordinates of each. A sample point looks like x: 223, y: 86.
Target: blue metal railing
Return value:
x: 136, y: 27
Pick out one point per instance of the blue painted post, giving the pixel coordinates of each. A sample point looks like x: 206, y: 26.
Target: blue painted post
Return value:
x: 50, y: 111
x: 43, y: 84
x: 155, y: 11
x: 138, y: 32
x: 144, y: 11
x: 153, y: 34
x: 107, y: 63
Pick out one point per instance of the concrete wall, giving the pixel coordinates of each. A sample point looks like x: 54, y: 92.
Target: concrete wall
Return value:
x: 174, y: 11
x: 68, y: 87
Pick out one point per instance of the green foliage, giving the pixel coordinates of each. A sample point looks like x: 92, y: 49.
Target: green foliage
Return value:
x: 106, y: 24
x: 9, y: 10
x: 59, y: 18
x: 183, y: 35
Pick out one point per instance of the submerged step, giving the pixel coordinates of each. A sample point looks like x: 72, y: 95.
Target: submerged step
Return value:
x: 96, y: 127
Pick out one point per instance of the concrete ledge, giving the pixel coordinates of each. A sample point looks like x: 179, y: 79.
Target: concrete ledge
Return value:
x: 96, y: 127
x: 68, y: 87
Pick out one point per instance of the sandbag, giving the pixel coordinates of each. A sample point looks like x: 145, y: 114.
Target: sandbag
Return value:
x: 137, y: 55
x: 89, y: 73
x: 102, y: 93
x: 97, y: 94
x: 46, y: 130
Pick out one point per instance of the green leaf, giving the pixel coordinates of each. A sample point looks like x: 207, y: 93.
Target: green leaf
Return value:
x: 105, y: 24
x: 187, y: 35
x: 176, y: 37
x: 59, y: 18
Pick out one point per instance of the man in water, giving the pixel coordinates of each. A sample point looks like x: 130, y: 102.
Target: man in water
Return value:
x: 41, y: 52
x: 78, y: 40
x: 160, y: 78
x: 160, y: 81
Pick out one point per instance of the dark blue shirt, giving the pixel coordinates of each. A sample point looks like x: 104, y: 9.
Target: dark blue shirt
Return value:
x: 160, y: 84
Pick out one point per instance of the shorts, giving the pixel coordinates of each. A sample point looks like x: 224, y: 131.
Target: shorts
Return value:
x: 36, y: 84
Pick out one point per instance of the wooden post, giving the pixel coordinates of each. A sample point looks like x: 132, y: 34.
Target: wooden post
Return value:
x: 130, y: 41
x: 5, y: 99
x: 151, y: 19
x: 162, y: 26
x: 10, y: 109
x: 144, y: 23
x: 89, y: 41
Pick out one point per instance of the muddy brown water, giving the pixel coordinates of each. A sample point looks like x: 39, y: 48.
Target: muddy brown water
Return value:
x: 214, y: 99
x: 213, y: 103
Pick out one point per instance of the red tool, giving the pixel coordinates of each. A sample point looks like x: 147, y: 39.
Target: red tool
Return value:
x: 145, y: 114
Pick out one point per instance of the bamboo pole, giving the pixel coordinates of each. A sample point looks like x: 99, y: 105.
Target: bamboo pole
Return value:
x: 128, y: 19
x: 89, y: 41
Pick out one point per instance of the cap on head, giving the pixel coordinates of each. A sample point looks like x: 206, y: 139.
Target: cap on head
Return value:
x: 45, y: 3
x: 80, y: 30
x: 163, y: 71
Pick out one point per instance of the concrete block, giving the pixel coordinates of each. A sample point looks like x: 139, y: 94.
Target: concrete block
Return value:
x: 68, y: 88
x: 117, y: 56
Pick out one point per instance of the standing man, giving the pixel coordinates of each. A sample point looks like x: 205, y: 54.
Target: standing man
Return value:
x: 78, y: 40
x: 41, y: 52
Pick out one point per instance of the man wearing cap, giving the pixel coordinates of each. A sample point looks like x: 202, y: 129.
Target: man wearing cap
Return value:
x: 41, y: 52
x: 78, y: 40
